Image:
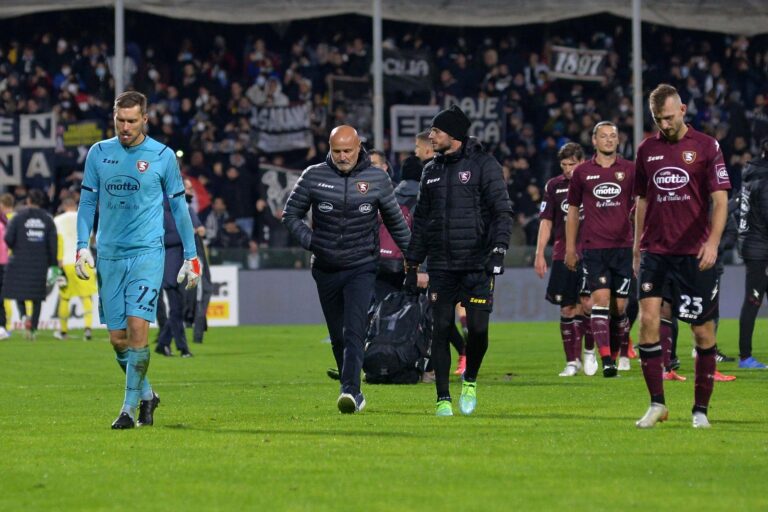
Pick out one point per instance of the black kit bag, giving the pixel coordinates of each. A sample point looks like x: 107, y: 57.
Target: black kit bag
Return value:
x: 398, y: 339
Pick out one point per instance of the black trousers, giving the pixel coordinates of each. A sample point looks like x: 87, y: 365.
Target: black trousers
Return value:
x: 345, y: 296
x: 755, y: 286
x: 174, y: 326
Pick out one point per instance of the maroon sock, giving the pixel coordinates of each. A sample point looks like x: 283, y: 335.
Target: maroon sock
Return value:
x: 653, y: 370
x: 665, y: 333
x: 566, y: 333
x: 620, y: 329
x: 576, y: 341
x: 601, y: 330
x: 589, y: 340
x: 706, y: 365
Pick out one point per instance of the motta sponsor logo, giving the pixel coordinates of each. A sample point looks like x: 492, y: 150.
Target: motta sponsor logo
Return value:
x: 670, y: 178
x: 122, y: 186
x: 608, y: 190
x: 325, y: 207
x: 564, y: 206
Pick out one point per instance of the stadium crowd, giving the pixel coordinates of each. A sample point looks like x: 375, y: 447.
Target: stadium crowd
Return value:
x: 203, y: 89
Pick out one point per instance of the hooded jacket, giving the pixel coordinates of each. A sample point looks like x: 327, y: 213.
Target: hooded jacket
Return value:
x: 345, y: 208
x: 753, y: 219
x: 463, y: 211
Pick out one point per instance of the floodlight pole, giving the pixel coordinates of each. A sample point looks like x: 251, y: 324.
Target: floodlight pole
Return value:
x: 118, y: 71
x: 637, y: 72
x: 378, y: 79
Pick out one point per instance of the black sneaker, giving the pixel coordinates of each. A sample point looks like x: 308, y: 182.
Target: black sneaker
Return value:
x: 722, y: 358
x: 87, y: 334
x: 333, y: 373
x: 187, y: 353
x: 164, y: 351
x: 147, y: 410
x: 674, y: 364
x: 123, y: 422
x: 610, y: 371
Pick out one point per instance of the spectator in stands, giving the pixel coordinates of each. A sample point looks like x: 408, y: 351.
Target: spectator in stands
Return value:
x: 231, y: 236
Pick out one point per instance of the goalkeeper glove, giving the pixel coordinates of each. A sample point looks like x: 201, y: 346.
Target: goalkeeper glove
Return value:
x: 495, y: 264
x: 190, y: 271
x: 83, y: 260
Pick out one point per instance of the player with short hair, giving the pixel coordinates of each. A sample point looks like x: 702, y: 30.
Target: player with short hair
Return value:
x: 66, y: 227
x: 564, y: 283
x: 128, y: 176
x: 680, y: 172
x: 602, y: 186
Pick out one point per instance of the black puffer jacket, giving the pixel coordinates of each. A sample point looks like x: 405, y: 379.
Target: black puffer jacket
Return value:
x: 345, y: 228
x: 463, y: 211
x: 31, y: 235
x: 753, y: 222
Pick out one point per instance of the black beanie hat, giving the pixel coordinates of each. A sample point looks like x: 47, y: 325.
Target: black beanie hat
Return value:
x: 411, y: 169
x: 452, y: 121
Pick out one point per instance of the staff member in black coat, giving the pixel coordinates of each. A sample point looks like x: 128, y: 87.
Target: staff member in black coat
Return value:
x: 753, y: 246
x: 462, y: 224
x: 173, y: 328
x: 345, y: 194
x: 31, y: 235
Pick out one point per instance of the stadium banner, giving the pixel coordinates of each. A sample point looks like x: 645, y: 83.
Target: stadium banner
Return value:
x: 408, y: 120
x: 278, y: 183
x: 487, y: 116
x: 407, y: 70
x: 577, y: 63
x: 27, y: 144
x: 224, y: 305
x: 82, y: 133
x: 283, y: 128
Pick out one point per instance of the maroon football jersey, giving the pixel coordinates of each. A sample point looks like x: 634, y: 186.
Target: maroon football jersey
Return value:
x: 605, y: 194
x: 677, y: 179
x: 554, y: 207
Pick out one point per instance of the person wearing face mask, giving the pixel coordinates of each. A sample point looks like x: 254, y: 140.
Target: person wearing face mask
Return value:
x: 346, y: 194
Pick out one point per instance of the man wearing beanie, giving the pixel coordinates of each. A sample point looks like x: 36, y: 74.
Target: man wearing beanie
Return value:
x: 462, y: 225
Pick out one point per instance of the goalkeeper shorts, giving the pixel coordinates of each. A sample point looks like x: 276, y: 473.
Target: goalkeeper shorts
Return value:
x: 129, y: 287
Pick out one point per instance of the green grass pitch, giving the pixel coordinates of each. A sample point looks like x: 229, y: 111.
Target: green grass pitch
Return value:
x: 250, y: 424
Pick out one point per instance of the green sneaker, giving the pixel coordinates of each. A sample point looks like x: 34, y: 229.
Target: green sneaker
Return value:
x: 468, y: 398
x: 444, y: 408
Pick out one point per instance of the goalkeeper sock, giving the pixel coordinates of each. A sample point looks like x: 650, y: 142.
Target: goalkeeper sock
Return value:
x: 63, y: 314
x: 122, y: 360
x: 87, y: 311
x: 136, y: 370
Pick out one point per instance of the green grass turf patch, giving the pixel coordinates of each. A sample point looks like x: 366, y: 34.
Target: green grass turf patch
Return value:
x: 250, y: 424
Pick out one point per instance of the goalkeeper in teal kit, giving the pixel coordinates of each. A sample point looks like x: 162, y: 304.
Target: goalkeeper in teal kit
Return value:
x: 127, y: 177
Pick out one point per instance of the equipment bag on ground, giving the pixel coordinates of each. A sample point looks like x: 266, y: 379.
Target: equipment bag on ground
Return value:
x: 398, y: 339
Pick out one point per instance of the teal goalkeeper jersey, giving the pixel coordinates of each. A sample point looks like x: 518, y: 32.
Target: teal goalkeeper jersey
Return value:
x: 129, y: 184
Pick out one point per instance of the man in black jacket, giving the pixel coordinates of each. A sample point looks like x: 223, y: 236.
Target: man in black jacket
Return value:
x: 345, y: 194
x: 753, y: 245
x: 462, y: 224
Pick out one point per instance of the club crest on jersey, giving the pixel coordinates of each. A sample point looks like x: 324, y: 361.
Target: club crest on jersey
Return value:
x: 142, y: 165
x: 362, y: 187
x: 689, y: 157
x: 620, y: 175
x: 647, y: 287
x: 464, y: 176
